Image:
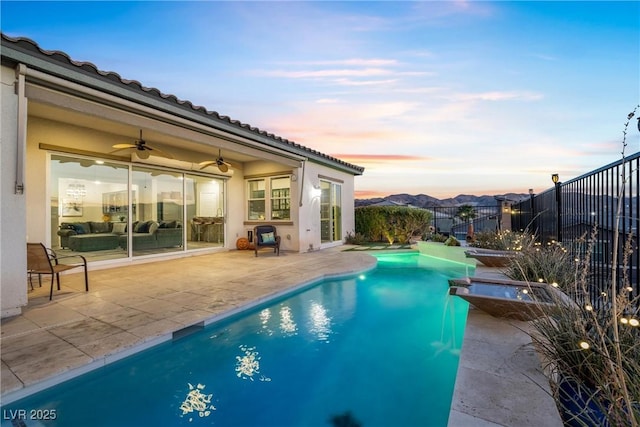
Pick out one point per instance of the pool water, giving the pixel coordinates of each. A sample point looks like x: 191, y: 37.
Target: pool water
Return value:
x: 379, y: 349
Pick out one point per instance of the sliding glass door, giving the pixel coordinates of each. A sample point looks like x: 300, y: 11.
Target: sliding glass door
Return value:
x: 330, y: 211
x: 97, y: 211
x: 205, y: 211
x: 157, y: 220
x: 89, y: 206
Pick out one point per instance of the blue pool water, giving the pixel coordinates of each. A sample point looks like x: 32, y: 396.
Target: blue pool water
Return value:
x: 379, y: 349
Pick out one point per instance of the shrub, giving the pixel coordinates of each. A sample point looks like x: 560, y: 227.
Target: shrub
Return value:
x: 435, y: 237
x: 391, y: 223
x: 354, y: 238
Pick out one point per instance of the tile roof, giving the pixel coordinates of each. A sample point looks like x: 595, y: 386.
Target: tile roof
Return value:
x: 31, y: 48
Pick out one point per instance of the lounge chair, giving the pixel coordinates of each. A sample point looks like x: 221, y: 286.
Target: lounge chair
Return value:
x: 266, y: 236
x: 41, y: 260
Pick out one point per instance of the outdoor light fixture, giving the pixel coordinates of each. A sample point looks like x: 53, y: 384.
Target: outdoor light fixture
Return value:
x: 555, y: 177
x: 316, y: 192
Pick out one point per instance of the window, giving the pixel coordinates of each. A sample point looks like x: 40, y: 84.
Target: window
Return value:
x: 269, y: 199
x: 281, y: 198
x: 257, y: 199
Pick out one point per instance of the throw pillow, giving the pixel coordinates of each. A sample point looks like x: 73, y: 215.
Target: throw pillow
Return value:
x: 268, y: 238
x: 153, y: 227
x: 142, y: 227
x: 79, y: 229
x: 99, y: 227
x: 119, y: 227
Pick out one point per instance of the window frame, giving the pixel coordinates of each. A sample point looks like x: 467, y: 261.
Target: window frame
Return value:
x: 284, y: 201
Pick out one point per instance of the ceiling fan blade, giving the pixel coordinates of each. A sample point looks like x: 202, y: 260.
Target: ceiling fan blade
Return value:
x: 207, y: 163
x: 223, y: 166
x: 160, y: 152
x: 123, y: 146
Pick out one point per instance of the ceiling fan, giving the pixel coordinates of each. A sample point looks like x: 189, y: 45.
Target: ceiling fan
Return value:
x: 142, y: 149
x: 222, y: 165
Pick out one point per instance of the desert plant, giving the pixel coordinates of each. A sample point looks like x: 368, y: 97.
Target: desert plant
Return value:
x: 592, y: 347
x: 549, y: 264
x: 594, y: 370
x: 504, y: 240
x: 451, y: 241
x: 467, y: 213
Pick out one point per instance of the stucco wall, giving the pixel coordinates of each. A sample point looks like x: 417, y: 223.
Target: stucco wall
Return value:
x: 310, y: 214
x: 13, y: 265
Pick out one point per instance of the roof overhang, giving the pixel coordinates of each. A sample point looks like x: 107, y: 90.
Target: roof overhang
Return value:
x: 50, y: 74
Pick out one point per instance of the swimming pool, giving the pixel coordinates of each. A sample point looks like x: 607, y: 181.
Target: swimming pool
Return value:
x: 378, y: 349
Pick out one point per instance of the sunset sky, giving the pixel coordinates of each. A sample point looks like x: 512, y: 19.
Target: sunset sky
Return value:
x: 435, y: 97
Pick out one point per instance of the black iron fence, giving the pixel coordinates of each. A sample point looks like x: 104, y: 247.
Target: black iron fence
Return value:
x: 446, y: 220
x: 589, y: 204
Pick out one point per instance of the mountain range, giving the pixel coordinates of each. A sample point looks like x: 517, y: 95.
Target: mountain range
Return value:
x: 424, y: 201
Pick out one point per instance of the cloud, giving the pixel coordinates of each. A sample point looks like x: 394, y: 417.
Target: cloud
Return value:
x: 373, y: 62
x: 337, y: 72
x: 500, y: 96
x: 370, y: 194
x: 380, y: 158
x: 350, y: 82
x: 328, y: 101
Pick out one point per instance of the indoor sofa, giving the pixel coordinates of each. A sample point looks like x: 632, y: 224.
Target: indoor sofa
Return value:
x: 89, y: 235
x: 153, y: 235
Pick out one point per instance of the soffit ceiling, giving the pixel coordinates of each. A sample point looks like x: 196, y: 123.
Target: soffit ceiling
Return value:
x: 127, y: 133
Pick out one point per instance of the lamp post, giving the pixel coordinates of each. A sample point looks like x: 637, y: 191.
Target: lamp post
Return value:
x: 556, y: 181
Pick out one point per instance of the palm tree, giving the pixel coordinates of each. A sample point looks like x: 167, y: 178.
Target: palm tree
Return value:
x: 467, y: 213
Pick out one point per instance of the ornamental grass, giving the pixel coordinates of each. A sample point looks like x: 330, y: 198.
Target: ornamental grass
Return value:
x: 591, y: 350
x: 590, y: 344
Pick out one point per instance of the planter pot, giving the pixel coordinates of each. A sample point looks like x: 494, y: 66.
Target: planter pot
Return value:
x: 578, y: 405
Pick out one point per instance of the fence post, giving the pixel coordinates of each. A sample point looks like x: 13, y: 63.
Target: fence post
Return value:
x: 556, y: 181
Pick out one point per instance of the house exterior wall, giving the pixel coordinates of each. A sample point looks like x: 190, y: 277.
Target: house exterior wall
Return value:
x: 13, y: 207
x: 25, y: 217
x: 309, y: 227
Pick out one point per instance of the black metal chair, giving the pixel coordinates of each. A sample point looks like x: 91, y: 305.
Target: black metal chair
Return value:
x: 266, y: 236
x: 41, y: 260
